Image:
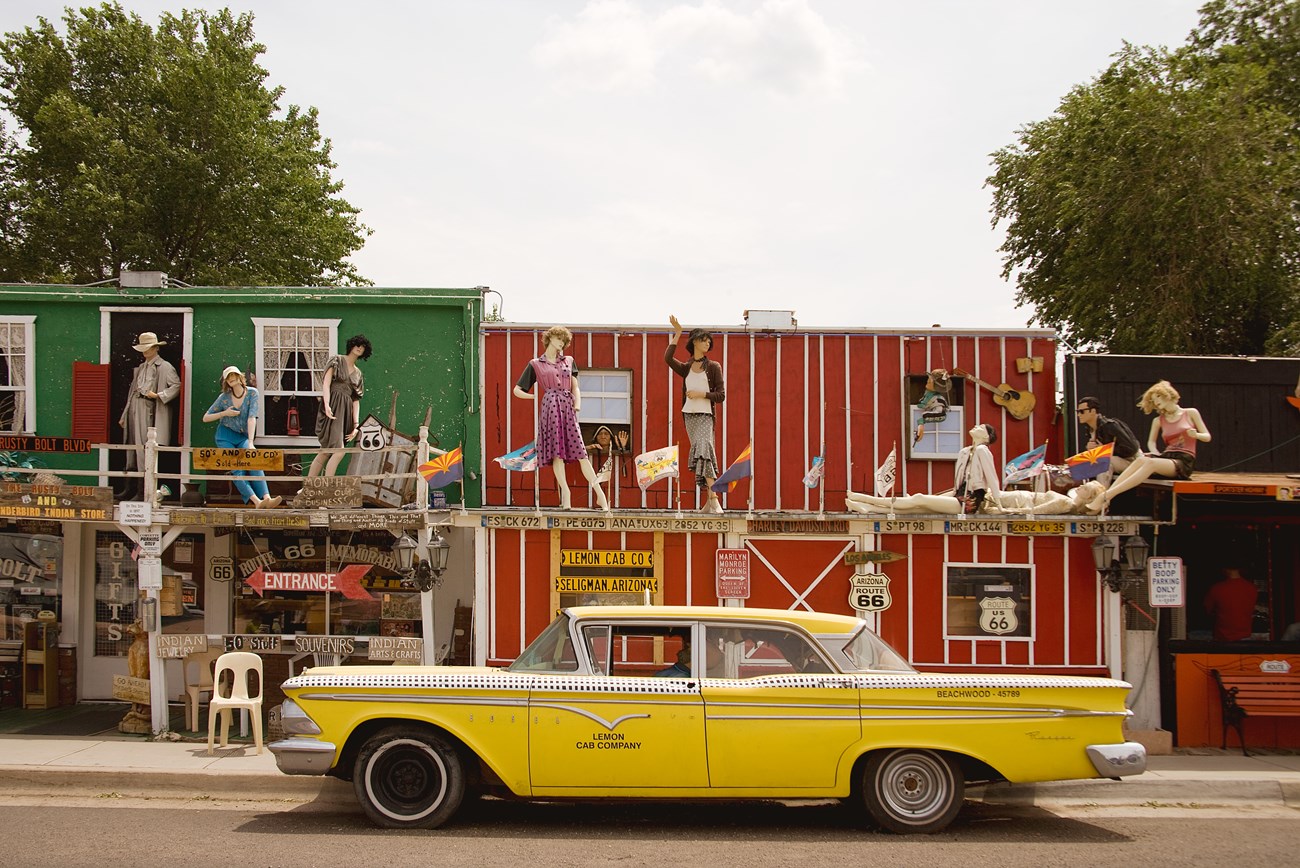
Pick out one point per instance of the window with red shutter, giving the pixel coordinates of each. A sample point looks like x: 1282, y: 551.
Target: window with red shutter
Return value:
x: 90, y: 400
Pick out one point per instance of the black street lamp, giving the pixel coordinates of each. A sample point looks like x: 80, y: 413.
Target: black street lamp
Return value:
x: 425, y: 571
x: 1116, y: 564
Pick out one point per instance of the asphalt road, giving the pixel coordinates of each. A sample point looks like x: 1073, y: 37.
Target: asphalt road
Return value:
x: 108, y: 831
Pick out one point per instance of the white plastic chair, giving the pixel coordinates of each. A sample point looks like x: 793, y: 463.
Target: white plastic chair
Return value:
x: 235, y: 666
x: 198, y: 681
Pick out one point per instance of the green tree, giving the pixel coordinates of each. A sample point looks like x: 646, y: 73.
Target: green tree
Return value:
x: 1154, y: 211
x: 163, y: 148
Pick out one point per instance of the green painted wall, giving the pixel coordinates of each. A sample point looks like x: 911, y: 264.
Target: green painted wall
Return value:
x: 425, y: 348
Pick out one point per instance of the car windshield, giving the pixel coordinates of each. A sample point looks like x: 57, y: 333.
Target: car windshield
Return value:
x: 551, y: 651
x: 867, y: 652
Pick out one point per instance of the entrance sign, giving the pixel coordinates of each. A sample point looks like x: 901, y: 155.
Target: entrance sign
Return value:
x: 346, y: 581
x: 1165, y: 581
x: 869, y: 592
x: 732, y: 570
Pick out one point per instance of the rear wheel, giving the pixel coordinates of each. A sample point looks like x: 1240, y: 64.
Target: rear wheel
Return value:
x: 912, y: 791
x: 408, y: 778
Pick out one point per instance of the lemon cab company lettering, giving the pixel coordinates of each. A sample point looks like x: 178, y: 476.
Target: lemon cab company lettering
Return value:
x: 608, y: 741
x: 606, y: 585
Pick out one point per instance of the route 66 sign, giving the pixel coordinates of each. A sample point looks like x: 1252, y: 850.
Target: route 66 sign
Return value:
x: 371, y: 437
x: 998, y: 615
x: 869, y: 592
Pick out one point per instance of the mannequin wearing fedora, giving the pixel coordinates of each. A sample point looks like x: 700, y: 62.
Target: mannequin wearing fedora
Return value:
x: 235, y: 412
x: 154, y: 386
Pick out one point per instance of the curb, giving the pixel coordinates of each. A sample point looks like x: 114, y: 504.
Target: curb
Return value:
x: 1157, y: 793
x: 73, y: 781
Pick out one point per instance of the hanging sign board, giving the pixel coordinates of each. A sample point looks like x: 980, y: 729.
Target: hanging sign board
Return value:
x: 1165, y: 582
x: 150, y: 573
x: 135, y: 513
x: 732, y: 570
x: 210, y: 458
x: 151, y: 542
x: 80, y: 502
x: 36, y: 443
x: 605, y: 558
x: 851, y: 558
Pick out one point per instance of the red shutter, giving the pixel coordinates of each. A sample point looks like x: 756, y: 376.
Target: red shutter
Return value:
x: 90, y: 399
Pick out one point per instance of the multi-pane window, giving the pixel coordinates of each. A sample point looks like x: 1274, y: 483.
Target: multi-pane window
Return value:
x: 989, y: 601
x: 936, y: 418
x: 16, y: 386
x: 291, y: 359
x: 606, y: 397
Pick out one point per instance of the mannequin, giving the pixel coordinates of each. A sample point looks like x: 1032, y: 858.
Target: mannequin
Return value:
x: 976, y: 477
x: 558, y: 436
x: 342, y: 386
x: 702, y: 390
x: 1180, y: 428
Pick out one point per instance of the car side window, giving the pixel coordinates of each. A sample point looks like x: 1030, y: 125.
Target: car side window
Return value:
x: 639, y: 650
x: 751, y: 652
x: 551, y: 651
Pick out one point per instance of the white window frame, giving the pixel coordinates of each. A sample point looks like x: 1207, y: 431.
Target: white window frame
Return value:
x: 1031, y: 604
x: 588, y: 396
x: 942, y: 441
x: 28, y: 389
x: 259, y: 326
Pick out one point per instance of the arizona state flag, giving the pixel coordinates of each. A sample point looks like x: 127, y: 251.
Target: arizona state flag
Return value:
x: 445, y: 469
x: 1090, y: 463
x: 741, y: 468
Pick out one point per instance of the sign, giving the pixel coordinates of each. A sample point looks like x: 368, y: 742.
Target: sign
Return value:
x: 63, y: 502
x: 135, y: 513
x: 373, y: 519
x: 732, y: 570
x: 998, y: 615
x: 370, y: 436
x: 1103, y: 528
x: 258, y: 642
x: 201, y: 517
x: 346, y: 581
x: 901, y: 525
x: 605, y: 558
x: 181, y: 644
x: 341, y: 645
x: 395, y: 648
x: 1055, y: 528
x: 331, y: 492
x: 149, y: 571
x: 151, y: 542
x: 1165, y: 581
x: 271, y: 519
x: 1281, y: 666
x: 606, y: 584
x: 221, y: 569
x: 851, y: 558
x: 869, y: 592
x: 211, y: 458
x: 130, y: 689
x: 36, y: 443
x: 786, y: 525
x: 636, y: 523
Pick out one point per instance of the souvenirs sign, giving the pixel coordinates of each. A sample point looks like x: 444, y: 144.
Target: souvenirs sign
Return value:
x: 346, y: 581
x: 76, y: 502
x: 210, y: 458
x: 36, y: 443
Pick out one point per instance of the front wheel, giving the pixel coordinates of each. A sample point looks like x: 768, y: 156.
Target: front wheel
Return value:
x: 912, y: 791
x: 408, y: 778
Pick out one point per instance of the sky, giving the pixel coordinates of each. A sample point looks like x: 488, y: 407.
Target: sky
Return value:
x: 617, y: 161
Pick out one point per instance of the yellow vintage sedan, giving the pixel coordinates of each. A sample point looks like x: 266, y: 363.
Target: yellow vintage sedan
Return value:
x: 697, y: 703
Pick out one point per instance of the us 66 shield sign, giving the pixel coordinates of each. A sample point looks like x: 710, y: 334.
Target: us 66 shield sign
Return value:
x: 869, y: 592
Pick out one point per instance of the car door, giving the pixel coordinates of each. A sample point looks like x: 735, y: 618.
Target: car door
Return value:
x: 778, y: 716
x: 619, y: 726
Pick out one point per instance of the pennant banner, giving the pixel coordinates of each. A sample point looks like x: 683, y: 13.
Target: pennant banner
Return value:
x: 815, y: 473
x: 522, y: 459
x: 1025, y: 466
x: 655, y: 465
x: 886, y: 473
x: 444, y: 470
x: 741, y: 468
x: 1090, y: 463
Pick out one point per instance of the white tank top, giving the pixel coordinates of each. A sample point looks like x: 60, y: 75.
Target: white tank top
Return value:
x: 697, y: 381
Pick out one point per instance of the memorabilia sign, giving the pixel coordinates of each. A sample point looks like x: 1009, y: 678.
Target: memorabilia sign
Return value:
x: 605, y: 558
x: 395, y: 648
x: 869, y: 592
x: 881, y: 557
x: 331, y: 492
x: 346, y: 581
x: 1165, y: 581
x: 64, y: 502
x: 181, y: 644
x: 211, y: 458
x: 36, y: 443
x: 732, y: 571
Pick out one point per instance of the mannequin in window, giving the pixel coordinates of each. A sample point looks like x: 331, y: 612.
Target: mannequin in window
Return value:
x: 342, y: 386
x: 559, y: 440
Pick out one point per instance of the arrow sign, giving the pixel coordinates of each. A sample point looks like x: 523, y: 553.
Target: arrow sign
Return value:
x: 851, y: 558
x: 346, y: 581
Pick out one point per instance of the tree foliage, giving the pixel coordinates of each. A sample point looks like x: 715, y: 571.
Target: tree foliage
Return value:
x: 1155, y: 210
x: 162, y: 148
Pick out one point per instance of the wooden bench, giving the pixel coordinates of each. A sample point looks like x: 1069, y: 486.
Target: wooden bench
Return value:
x: 1255, y: 694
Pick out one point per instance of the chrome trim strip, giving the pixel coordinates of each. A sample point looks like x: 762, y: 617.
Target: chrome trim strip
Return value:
x: 841, y: 705
x: 852, y: 717
x: 610, y: 725
x: 419, y: 700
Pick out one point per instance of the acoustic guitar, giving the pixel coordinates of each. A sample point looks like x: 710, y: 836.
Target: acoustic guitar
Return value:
x: 1019, y: 404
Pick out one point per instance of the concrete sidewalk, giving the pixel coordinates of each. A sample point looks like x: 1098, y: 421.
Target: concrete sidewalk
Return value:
x: 132, y: 768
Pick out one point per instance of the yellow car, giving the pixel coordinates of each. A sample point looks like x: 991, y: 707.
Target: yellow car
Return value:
x: 698, y: 702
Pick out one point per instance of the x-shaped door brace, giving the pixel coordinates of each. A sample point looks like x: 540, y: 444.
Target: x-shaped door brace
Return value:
x: 799, y: 599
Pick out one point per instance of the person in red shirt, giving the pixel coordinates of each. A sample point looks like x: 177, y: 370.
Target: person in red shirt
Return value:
x: 1231, y: 602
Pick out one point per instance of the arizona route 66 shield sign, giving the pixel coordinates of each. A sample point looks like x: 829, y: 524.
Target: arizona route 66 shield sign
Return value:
x: 869, y: 592
x: 998, y: 615
x: 371, y: 437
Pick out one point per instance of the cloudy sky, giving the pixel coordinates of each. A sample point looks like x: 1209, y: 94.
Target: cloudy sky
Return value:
x: 614, y: 161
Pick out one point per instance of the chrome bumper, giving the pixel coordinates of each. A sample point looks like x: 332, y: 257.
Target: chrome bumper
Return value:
x: 303, y: 756
x: 1118, y: 760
